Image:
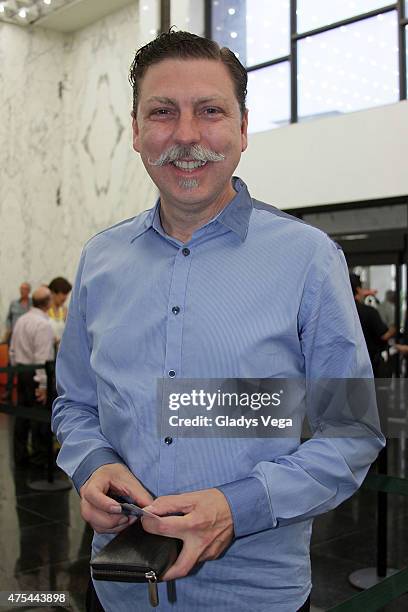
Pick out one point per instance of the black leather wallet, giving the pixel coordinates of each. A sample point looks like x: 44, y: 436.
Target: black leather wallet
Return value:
x: 136, y: 556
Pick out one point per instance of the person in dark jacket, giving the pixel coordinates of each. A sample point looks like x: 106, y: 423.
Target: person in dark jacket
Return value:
x: 376, y: 332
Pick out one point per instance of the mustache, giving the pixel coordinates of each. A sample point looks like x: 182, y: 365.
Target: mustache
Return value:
x: 195, y: 152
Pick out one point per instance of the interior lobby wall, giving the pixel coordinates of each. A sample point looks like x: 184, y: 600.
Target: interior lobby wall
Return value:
x: 31, y: 156
x: 67, y: 165
x: 356, y: 156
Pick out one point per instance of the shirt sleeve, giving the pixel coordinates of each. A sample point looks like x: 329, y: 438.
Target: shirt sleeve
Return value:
x: 323, y: 471
x: 75, y: 419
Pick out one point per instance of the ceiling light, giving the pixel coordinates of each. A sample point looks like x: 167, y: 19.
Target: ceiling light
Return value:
x: 231, y: 11
x: 1, y: 8
x: 47, y: 2
x: 233, y: 34
x: 22, y: 13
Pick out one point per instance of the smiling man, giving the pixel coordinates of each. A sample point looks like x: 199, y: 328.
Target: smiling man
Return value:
x: 209, y: 283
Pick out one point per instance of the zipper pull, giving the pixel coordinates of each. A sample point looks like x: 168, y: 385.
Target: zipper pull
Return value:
x: 153, y: 593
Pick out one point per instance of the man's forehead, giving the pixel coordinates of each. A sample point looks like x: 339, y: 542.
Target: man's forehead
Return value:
x: 212, y: 76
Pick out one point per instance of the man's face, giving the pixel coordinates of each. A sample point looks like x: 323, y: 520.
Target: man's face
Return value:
x: 184, y: 103
x: 25, y: 291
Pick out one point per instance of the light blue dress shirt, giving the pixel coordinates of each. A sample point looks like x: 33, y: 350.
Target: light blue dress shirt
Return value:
x: 254, y: 294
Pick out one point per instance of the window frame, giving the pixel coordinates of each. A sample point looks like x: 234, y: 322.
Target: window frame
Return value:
x: 295, y: 36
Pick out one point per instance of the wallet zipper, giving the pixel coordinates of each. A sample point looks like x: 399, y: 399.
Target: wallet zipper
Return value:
x: 152, y: 584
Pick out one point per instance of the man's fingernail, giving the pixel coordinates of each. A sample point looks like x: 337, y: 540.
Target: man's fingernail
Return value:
x: 123, y: 520
x: 115, y: 509
x: 132, y: 519
x: 148, y: 508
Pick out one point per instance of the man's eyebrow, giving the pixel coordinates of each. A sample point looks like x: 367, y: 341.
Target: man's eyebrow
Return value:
x: 210, y: 99
x: 162, y: 100
x: 171, y: 101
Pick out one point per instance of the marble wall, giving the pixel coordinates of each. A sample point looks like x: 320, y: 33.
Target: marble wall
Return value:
x: 67, y: 167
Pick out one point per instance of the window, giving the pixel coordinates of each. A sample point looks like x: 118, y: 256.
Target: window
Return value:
x: 349, y: 68
x: 346, y: 54
x: 268, y: 97
x: 312, y: 14
x: 258, y: 32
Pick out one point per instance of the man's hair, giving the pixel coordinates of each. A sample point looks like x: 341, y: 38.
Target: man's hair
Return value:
x: 41, y: 297
x: 60, y: 285
x: 184, y: 45
x: 355, y: 281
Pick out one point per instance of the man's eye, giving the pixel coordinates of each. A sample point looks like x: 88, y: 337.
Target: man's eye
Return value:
x: 161, y: 112
x: 211, y: 110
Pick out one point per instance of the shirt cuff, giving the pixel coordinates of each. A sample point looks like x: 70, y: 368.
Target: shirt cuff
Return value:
x: 98, y: 457
x: 249, y: 504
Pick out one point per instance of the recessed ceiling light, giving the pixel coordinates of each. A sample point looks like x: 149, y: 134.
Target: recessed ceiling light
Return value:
x: 22, y: 13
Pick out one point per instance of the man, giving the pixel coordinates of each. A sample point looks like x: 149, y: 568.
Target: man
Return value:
x: 32, y: 342
x: 207, y: 284
x: 16, y: 309
x: 376, y: 332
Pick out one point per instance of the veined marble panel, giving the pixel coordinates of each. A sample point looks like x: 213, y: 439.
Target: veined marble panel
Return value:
x: 31, y: 143
x: 104, y: 180
x: 67, y: 164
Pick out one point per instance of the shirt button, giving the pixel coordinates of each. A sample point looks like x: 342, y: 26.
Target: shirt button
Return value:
x: 175, y: 310
x: 186, y: 251
x: 168, y: 440
x: 172, y: 373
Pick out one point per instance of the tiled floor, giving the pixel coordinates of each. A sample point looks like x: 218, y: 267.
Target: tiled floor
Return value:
x: 44, y: 544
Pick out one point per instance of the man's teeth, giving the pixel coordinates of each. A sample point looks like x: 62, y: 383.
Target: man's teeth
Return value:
x: 188, y: 165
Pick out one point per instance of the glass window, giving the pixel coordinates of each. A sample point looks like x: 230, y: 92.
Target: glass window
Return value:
x: 349, y: 68
x: 256, y: 30
x: 313, y: 14
x: 268, y: 98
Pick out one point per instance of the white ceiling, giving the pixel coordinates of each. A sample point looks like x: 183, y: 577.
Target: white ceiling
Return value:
x: 60, y: 15
x: 81, y: 13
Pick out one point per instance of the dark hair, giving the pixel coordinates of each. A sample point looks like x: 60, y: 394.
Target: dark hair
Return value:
x: 60, y: 285
x: 355, y: 281
x: 184, y: 45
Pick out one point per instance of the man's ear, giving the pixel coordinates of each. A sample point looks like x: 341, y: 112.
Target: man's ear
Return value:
x: 244, y: 131
x: 136, y: 134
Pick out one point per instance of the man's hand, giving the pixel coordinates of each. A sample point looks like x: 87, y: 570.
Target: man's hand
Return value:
x: 41, y: 395
x: 206, y: 527
x: 102, y: 512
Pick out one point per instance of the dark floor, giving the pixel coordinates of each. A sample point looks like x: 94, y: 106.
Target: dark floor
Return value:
x: 44, y: 544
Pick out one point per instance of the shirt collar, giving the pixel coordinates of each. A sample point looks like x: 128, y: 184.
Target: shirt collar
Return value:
x: 38, y: 312
x: 235, y: 216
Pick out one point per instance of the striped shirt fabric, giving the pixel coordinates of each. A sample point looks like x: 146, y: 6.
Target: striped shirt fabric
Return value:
x: 254, y: 294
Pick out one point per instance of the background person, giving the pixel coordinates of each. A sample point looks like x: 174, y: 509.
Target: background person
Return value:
x: 32, y: 342
x: 16, y: 309
x: 60, y: 289
x: 376, y: 332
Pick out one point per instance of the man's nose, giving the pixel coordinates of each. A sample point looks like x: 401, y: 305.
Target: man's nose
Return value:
x: 187, y: 130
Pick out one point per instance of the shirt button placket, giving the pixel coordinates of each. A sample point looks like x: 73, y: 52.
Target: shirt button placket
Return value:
x: 175, y: 321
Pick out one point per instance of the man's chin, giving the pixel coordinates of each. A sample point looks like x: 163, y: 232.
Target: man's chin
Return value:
x: 189, y: 184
